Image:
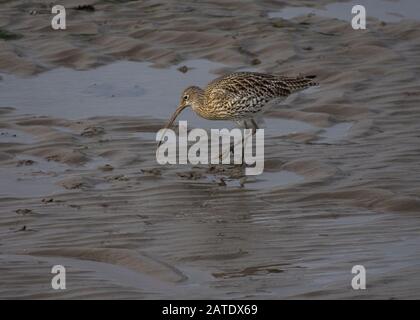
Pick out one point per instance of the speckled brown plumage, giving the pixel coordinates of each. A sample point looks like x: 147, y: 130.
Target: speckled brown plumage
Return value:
x: 242, y: 95
x: 239, y: 96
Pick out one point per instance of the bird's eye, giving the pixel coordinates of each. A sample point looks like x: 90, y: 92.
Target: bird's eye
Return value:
x: 185, y: 97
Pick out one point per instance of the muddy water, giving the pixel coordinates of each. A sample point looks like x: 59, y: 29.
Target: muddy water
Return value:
x: 340, y: 185
x: 384, y: 10
x: 30, y: 177
x: 130, y: 107
x: 120, y: 89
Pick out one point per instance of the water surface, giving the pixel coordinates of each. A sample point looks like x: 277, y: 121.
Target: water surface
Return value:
x: 384, y: 10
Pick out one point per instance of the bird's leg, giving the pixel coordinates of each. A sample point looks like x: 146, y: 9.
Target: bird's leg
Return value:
x: 245, y: 124
x: 254, y: 126
x: 240, y: 124
x: 249, y: 124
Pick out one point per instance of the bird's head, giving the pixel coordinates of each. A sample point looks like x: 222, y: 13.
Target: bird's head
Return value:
x: 190, y: 97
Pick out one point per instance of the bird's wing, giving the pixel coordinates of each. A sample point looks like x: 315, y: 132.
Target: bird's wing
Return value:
x: 244, y: 93
x: 299, y: 83
x: 242, y: 84
x: 260, y: 84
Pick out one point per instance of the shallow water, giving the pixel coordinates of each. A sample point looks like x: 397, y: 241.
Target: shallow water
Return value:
x: 34, y: 180
x: 278, y: 179
x: 384, y: 10
x: 335, y: 133
x: 120, y: 89
x: 15, y: 136
x: 358, y: 203
x: 123, y: 88
x: 274, y: 180
x: 281, y: 127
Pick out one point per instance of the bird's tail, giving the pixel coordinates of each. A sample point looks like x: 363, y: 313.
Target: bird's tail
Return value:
x: 300, y: 82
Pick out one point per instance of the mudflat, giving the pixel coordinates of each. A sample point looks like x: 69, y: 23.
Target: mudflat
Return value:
x: 80, y: 185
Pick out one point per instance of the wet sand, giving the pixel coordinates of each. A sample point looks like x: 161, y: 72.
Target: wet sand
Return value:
x: 80, y: 185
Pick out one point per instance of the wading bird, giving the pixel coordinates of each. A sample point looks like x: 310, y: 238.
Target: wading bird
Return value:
x: 239, y: 96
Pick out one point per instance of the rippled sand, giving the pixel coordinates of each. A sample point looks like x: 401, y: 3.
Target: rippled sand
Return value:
x: 80, y: 186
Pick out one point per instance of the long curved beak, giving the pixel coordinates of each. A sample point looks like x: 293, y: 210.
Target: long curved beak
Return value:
x: 171, y: 120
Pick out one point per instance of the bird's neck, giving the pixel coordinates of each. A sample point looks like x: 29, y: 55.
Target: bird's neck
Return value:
x: 198, y: 105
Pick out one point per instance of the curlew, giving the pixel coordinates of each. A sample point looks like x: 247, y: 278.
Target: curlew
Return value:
x: 240, y: 97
